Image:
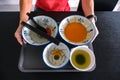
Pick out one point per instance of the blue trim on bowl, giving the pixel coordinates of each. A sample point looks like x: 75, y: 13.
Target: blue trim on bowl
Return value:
x: 81, y: 43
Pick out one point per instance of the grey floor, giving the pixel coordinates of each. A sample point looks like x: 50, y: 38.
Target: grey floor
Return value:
x: 8, y: 7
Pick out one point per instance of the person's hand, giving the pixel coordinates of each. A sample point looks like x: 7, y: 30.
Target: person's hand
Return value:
x: 92, y: 20
x: 18, y: 34
x: 97, y: 32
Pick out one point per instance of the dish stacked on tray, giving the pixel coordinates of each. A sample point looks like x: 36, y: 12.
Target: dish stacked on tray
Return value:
x: 75, y: 30
x: 48, y: 23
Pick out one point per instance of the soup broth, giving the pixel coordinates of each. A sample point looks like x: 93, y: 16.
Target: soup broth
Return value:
x: 75, y: 32
x: 81, y: 59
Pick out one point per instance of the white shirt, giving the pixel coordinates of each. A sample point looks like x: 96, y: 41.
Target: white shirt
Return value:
x: 73, y: 4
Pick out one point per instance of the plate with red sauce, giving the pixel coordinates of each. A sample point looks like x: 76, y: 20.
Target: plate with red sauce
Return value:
x: 46, y: 22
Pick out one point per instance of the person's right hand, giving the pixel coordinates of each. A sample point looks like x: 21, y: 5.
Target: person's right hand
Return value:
x: 18, y: 34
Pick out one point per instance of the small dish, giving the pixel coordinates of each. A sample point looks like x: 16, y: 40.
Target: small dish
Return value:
x: 56, y: 56
x: 82, y: 58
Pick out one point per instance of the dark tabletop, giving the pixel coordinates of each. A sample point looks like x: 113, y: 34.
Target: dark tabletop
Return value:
x: 106, y: 49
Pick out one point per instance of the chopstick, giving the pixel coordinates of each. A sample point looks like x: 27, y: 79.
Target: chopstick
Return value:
x: 37, y: 25
x: 43, y: 34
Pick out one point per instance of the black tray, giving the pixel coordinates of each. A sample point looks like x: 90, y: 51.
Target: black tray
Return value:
x: 31, y: 59
x: 31, y: 56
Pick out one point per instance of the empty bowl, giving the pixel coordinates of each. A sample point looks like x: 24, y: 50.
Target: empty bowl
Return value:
x: 56, y: 56
x: 34, y: 39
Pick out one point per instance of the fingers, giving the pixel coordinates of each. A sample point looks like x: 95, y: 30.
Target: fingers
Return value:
x: 92, y: 20
x: 18, y: 35
x: 19, y: 39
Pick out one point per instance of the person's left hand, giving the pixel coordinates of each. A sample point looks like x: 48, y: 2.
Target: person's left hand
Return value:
x: 93, y: 20
x: 97, y: 32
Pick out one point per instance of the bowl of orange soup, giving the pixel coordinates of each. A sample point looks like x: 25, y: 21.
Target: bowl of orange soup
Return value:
x: 77, y: 30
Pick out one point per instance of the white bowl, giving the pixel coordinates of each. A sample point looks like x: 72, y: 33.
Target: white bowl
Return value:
x: 56, y: 56
x: 89, y: 26
x: 35, y: 39
x: 89, y: 55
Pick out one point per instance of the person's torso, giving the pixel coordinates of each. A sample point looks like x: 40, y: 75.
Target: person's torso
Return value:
x: 53, y: 5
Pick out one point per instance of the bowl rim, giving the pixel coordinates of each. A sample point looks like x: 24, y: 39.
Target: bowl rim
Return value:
x: 45, y: 59
x: 89, y: 51
x: 77, y: 44
x: 36, y: 44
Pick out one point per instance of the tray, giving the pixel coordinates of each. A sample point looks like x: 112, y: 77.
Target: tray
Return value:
x: 31, y: 56
x: 31, y: 59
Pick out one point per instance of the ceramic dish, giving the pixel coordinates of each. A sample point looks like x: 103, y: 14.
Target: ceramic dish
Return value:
x: 56, y: 56
x: 79, y: 20
x: 82, y: 58
x: 34, y: 39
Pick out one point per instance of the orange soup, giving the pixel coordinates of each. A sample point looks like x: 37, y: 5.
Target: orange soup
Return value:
x: 75, y: 32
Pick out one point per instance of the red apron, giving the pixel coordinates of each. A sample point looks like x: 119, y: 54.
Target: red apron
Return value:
x: 53, y: 5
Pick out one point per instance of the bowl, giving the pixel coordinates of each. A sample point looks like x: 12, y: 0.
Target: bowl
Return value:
x: 56, y: 56
x: 34, y: 39
x: 77, y: 30
x: 82, y: 58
